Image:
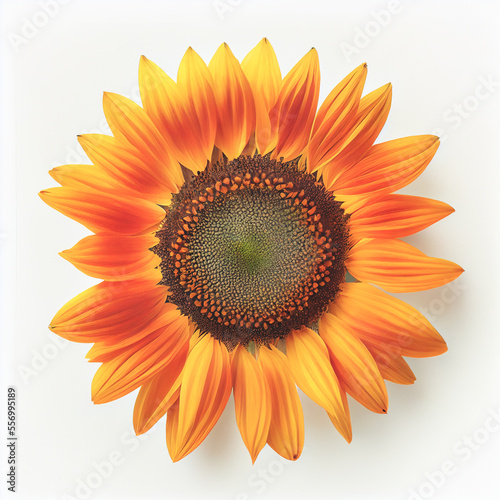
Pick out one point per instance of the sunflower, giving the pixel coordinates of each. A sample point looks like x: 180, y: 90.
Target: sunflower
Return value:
x: 245, y: 241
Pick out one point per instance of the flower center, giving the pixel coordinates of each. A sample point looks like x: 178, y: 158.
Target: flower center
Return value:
x: 252, y: 249
x: 251, y: 252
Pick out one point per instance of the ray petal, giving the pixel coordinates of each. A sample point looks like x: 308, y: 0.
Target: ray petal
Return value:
x: 140, y: 362
x: 79, y: 176
x: 264, y: 76
x: 387, y: 166
x: 164, y: 103
x: 354, y: 364
x: 110, y: 348
x: 101, y: 211
x: 392, y: 366
x: 236, y: 116
x: 138, y: 174
x: 397, y: 266
x: 286, y: 432
x: 205, y: 389
x: 334, y: 119
x: 371, y: 116
x: 252, y: 400
x: 395, y: 216
x: 293, y: 114
x: 115, y: 257
x: 196, y: 85
x: 110, y: 309
x: 313, y: 373
x: 345, y: 404
x: 158, y: 394
x: 386, y: 322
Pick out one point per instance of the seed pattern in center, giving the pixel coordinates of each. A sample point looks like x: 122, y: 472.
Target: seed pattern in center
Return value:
x: 253, y: 249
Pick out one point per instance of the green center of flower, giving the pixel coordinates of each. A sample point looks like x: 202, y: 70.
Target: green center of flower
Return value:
x: 251, y: 252
x: 252, y: 249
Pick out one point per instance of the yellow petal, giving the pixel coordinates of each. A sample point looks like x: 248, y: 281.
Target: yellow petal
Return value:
x: 293, y: 115
x: 348, y: 435
x: 386, y: 322
x: 110, y: 348
x: 164, y: 103
x: 140, y: 362
x: 131, y: 125
x: 236, y: 114
x: 195, y: 83
x: 371, y: 116
x: 143, y: 175
x: 286, y: 432
x: 252, y: 400
x: 387, y: 166
x: 313, y: 373
x: 79, y: 176
x: 158, y: 394
x: 334, y: 118
x: 205, y: 389
x: 264, y: 76
x: 392, y: 366
x: 110, y: 309
x: 354, y: 364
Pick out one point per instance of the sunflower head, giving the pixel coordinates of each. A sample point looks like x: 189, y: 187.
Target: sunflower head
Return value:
x: 227, y: 211
x: 252, y: 249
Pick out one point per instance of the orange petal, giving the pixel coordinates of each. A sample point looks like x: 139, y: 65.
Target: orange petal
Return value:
x: 205, y: 390
x: 386, y: 322
x: 79, y: 176
x: 335, y: 117
x: 392, y: 366
x: 158, y: 394
x: 354, y: 364
x: 286, y: 432
x: 345, y: 404
x: 131, y: 125
x: 140, y: 362
x: 195, y: 83
x: 139, y: 175
x: 387, y: 167
x: 109, y: 309
x: 293, y: 115
x: 164, y: 103
x: 116, y: 257
x: 397, y: 266
x: 311, y: 368
x: 264, y: 76
x: 395, y: 216
x: 101, y: 211
x: 110, y: 348
x: 252, y: 400
x: 372, y: 114
x: 236, y: 114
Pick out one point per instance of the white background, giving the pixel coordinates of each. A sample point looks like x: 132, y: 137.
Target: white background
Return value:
x: 442, y: 58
